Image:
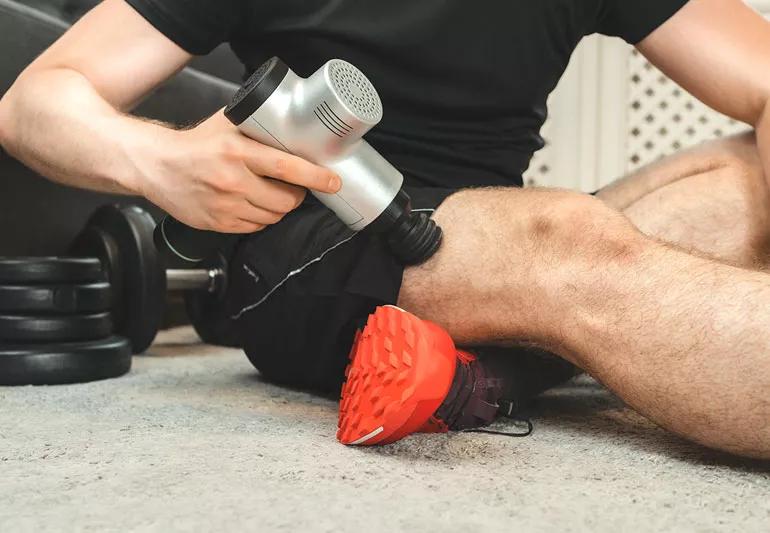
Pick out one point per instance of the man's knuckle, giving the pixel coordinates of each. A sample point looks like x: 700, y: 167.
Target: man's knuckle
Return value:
x: 282, y: 168
x: 230, y: 148
x: 224, y: 181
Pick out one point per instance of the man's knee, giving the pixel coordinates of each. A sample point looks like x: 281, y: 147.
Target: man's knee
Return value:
x: 516, y: 245
x: 534, y: 225
x: 570, y: 225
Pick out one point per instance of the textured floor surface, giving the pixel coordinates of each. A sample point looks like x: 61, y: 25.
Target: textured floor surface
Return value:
x: 193, y: 440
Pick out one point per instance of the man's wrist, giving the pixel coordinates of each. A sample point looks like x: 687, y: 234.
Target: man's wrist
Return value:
x: 144, y: 145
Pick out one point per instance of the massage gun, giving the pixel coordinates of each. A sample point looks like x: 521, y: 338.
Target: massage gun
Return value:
x: 321, y: 119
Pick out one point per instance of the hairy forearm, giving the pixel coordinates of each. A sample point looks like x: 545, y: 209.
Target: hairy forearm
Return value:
x: 56, y: 123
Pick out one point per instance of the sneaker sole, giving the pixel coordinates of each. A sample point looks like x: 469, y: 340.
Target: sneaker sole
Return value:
x: 400, y: 372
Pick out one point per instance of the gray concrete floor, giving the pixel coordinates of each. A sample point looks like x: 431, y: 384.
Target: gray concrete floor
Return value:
x: 193, y: 440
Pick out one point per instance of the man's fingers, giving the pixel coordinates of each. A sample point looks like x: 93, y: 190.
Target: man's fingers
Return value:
x: 245, y: 226
x: 267, y: 161
x: 275, y: 195
x: 257, y: 215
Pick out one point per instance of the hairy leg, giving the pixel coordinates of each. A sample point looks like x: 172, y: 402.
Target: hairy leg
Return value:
x: 682, y: 339
x: 713, y: 199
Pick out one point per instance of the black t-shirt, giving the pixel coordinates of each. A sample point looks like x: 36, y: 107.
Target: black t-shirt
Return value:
x: 464, y: 83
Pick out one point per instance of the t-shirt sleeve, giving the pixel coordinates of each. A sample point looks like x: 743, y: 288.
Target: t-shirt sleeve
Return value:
x: 633, y: 20
x: 197, y: 26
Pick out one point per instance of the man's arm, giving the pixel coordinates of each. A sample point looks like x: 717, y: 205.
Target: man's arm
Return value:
x: 719, y: 50
x: 65, y: 117
x: 63, y: 114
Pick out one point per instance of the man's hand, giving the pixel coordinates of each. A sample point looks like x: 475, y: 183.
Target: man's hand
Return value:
x: 213, y: 177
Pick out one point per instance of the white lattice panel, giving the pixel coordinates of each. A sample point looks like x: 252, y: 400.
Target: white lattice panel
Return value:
x: 663, y: 118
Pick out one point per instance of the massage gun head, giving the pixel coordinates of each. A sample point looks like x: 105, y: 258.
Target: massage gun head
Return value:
x: 338, y: 97
x: 353, y: 91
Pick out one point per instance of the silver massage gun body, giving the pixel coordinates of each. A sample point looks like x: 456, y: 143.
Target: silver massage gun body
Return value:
x: 323, y: 119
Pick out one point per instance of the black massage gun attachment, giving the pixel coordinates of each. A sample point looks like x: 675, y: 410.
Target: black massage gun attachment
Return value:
x: 413, y: 238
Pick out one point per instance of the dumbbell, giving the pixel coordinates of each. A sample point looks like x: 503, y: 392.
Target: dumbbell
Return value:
x: 122, y: 238
x: 204, y: 292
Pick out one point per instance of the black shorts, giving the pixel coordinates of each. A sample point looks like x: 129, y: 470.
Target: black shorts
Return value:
x: 301, y: 288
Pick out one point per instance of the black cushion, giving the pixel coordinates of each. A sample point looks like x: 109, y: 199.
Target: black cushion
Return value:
x: 66, y: 10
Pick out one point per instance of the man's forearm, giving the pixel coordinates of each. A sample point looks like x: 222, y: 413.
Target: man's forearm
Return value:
x: 56, y: 123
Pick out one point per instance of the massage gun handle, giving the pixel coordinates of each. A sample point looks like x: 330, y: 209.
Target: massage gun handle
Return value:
x: 179, y: 243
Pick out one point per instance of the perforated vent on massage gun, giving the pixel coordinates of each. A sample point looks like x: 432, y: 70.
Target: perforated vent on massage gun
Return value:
x: 356, y: 91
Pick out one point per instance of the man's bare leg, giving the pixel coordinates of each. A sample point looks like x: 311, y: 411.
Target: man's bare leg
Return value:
x: 713, y: 199
x: 682, y: 339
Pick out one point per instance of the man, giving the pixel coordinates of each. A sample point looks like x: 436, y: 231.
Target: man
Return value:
x: 679, y: 331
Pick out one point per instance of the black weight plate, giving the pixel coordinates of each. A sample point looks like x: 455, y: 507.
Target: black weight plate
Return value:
x: 49, y: 270
x: 93, y: 241
x: 139, y: 293
x: 54, y: 364
x: 55, y: 299
x: 40, y: 329
x: 208, y: 313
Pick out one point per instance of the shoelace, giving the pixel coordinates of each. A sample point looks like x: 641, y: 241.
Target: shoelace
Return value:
x: 508, y: 408
x: 530, y: 429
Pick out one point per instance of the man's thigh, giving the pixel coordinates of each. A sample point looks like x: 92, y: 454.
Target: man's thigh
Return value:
x: 712, y: 199
x: 738, y: 152
x: 504, y: 251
